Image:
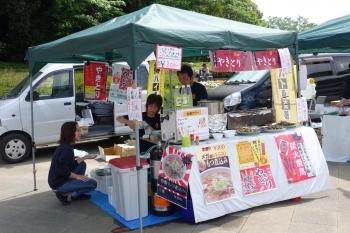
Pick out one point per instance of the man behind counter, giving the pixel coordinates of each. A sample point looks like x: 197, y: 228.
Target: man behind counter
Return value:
x: 346, y: 95
x: 199, y: 92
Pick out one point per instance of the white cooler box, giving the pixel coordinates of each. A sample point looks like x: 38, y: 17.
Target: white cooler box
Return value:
x: 111, y: 196
x: 124, y: 176
x: 103, y: 178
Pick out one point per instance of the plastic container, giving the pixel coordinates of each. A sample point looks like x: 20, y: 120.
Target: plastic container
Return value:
x: 103, y: 179
x: 188, y: 214
x: 177, y: 98
x: 111, y: 201
x: 184, y: 97
x: 124, y: 176
x: 189, y: 96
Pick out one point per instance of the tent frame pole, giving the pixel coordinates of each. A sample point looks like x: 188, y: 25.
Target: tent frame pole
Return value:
x: 32, y: 126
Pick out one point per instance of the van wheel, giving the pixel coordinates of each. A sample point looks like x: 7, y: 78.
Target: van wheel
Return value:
x: 15, y: 148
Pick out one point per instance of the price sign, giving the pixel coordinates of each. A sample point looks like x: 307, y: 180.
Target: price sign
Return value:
x: 168, y: 57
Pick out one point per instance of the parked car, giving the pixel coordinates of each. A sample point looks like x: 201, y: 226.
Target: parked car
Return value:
x: 252, y: 89
x: 56, y: 99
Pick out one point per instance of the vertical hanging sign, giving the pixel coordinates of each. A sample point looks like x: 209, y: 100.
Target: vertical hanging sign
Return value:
x: 95, y: 80
x: 168, y: 57
x: 155, y: 83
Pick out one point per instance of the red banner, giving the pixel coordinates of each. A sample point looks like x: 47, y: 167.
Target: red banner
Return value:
x: 295, y: 159
x: 95, y: 80
x: 266, y: 60
x: 174, y: 172
x: 230, y: 61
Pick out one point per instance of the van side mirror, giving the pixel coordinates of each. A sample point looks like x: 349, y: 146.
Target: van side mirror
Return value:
x: 35, y: 96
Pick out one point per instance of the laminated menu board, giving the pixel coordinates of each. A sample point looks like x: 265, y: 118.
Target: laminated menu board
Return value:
x: 195, y: 120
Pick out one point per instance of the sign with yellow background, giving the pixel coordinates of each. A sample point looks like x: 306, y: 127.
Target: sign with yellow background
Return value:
x: 284, y: 95
x: 155, y: 80
x: 252, y: 154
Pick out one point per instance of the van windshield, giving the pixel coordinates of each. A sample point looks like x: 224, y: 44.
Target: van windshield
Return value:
x: 21, y: 86
x: 246, y: 77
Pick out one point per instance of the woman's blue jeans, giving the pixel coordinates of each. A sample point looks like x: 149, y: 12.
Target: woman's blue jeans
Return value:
x: 76, y: 187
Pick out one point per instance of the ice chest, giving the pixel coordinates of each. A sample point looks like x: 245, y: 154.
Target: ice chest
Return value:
x: 124, y: 177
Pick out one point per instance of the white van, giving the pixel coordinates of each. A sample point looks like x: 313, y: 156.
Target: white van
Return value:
x: 57, y: 99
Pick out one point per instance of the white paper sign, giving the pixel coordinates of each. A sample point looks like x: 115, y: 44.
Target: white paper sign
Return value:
x: 302, y: 110
x: 122, y: 79
x: 286, y: 63
x: 303, y: 77
x: 168, y: 57
x: 134, y: 103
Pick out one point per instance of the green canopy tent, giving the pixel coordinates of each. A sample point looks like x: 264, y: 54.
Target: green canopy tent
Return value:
x: 134, y: 36
x: 330, y: 36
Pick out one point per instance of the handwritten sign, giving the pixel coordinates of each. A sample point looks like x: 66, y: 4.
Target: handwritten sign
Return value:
x: 286, y: 63
x: 230, y: 60
x: 174, y: 173
x: 254, y: 166
x: 295, y: 159
x: 196, y: 121
x: 134, y: 102
x: 302, y: 110
x: 168, y: 57
x: 95, y: 80
x: 215, y: 173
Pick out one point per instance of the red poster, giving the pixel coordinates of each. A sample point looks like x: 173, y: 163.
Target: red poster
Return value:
x: 295, y: 159
x: 174, y: 172
x: 125, y: 79
x: 257, y: 180
x: 95, y: 80
x: 266, y: 60
x: 230, y: 61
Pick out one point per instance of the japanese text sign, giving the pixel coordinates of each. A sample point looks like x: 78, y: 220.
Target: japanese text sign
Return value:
x: 230, y: 61
x: 122, y: 79
x: 134, y: 103
x: 95, y: 80
x: 168, y: 57
x: 286, y: 62
x: 215, y: 174
x: 174, y: 173
x: 254, y: 166
x: 265, y: 60
x: 295, y: 159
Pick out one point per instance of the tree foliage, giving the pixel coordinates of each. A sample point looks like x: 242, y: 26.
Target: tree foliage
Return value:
x: 289, y: 24
x: 31, y: 22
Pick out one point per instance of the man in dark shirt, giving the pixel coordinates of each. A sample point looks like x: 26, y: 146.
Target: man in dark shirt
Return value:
x: 346, y: 95
x: 199, y: 92
x: 151, y: 117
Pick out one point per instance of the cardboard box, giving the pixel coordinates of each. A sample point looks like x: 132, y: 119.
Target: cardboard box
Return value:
x: 84, y: 129
x: 108, y: 153
x: 125, y: 150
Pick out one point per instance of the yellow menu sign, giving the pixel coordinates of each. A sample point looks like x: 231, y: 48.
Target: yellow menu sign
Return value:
x: 252, y: 154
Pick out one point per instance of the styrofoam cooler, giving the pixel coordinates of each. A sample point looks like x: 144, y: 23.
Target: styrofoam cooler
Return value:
x: 124, y: 176
x: 103, y: 182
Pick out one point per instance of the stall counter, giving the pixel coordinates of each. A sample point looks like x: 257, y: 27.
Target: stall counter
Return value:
x: 283, y: 191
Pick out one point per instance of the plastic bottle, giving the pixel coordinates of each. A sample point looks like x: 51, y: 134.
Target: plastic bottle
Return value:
x: 189, y: 96
x: 177, y: 98
x: 184, y: 97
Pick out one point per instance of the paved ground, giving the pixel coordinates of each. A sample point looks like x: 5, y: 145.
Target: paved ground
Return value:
x: 25, y: 210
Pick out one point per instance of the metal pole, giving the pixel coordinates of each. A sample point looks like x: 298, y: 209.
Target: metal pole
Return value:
x: 297, y: 64
x: 32, y: 121
x: 138, y: 167
x: 171, y: 89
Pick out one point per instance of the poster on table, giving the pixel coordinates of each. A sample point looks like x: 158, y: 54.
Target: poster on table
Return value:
x: 134, y: 102
x: 286, y: 61
x: 95, y: 80
x: 266, y: 60
x: 284, y: 96
x: 215, y: 174
x: 174, y: 173
x: 295, y: 159
x: 230, y: 60
x: 122, y: 79
x: 254, y: 167
x: 156, y: 80
x: 168, y: 57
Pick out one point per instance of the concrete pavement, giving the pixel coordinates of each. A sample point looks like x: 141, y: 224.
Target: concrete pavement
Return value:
x: 25, y: 210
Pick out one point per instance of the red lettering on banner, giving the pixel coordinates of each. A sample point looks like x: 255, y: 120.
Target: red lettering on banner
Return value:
x: 265, y: 60
x: 95, y: 81
x: 230, y: 60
